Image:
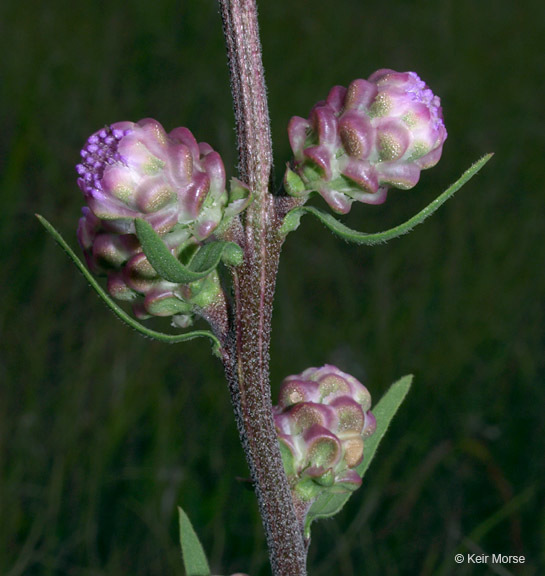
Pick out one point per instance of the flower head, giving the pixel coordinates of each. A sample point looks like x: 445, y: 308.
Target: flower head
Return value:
x: 322, y: 419
x: 363, y: 140
x: 136, y: 170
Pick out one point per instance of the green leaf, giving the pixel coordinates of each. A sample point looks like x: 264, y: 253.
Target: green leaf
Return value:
x: 384, y: 412
x: 208, y: 256
x: 328, y: 504
x: 206, y: 259
x: 117, y: 310
x: 195, y: 562
x: 356, y: 237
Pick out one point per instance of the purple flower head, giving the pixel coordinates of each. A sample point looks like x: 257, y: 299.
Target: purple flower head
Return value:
x: 136, y: 170
x: 322, y: 419
x: 363, y: 140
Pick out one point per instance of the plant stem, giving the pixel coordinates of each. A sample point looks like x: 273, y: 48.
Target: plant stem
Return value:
x: 246, y: 353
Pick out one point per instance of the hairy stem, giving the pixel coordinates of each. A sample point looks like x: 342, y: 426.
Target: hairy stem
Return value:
x: 246, y: 352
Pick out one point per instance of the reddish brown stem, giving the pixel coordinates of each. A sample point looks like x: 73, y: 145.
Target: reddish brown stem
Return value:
x: 246, y: 352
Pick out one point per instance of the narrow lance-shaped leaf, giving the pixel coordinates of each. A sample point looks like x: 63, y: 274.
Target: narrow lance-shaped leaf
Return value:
x: 195, y: 561
x: 117, y: 310
x: 292, y: 219
x: 329, y: 504
x: 170, y: 268
x: 384, y: 413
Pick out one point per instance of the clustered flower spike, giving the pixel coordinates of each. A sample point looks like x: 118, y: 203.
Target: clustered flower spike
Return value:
x: 322, y: 419
x: 363, y: 140
x: 136, y: 170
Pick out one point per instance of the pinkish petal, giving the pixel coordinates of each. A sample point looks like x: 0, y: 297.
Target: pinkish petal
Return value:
x: 392, y: 139
x: 153, y: 195
x: 350, y: 415
x: 336, y: 98
x: 164, y: 220
x: 154, y: 137
x: 379, y: 197
x: 403, y: 176
x: 350, y: 478
x: 213, y: 165
x: 110, y: 251
x: 357, y: 134
x: 370, y: 424
x: 429, y: 160
x: 297, y: 133
x: 88, y: 228
x: 181, y: 164
x: 120, y: 181
x: 360, y: 95
x: 295, y: 390
x: 107, y: 207
x: 118, y: 289
x: 325, y: 123
x: 184, y: 136
x: 192, y: 198
x: 135, y: 154
x: 323, y: 448
x: 321, y: 156
x: 390, y: 77
x: 338, y: 201
x: 306, y: 414
x: 363, y: 174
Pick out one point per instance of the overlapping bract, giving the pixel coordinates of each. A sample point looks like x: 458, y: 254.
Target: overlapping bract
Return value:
x: 136, y: 170
x: 362, y: 140
x: 322, y: 419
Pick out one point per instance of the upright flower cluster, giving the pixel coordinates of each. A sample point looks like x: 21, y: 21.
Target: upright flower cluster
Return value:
x: 362, y: 140
x: 322, y: 419
x: 136, y: 170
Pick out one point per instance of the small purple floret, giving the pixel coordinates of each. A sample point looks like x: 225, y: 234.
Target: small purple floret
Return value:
x: 99, y: 152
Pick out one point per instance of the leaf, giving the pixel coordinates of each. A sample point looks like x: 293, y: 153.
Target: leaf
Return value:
x: 338, y: 228
x: 195, y: 562
x: 329, y: 504
x: 384, y: 412
x: 117, y: 310
x: 169, y: 267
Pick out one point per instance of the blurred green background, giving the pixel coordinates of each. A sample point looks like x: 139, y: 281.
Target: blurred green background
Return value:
x: 103, y: 434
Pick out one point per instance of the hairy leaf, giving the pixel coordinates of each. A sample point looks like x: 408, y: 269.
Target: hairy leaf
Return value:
x: 117, y: 310
x: 330, y: 504
x: 292, y: 219
x: 170, y: 268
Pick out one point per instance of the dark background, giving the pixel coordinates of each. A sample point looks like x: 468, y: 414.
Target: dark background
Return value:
x: 103, y: 433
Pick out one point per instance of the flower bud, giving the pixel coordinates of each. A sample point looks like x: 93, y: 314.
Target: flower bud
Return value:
x: 362, y: 140
x: 136, y: 170
x: 322, y: 419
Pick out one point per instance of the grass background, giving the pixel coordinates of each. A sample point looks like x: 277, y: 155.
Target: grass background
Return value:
x: 103, y: 434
